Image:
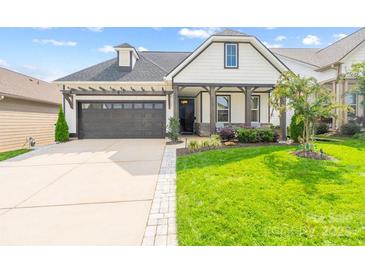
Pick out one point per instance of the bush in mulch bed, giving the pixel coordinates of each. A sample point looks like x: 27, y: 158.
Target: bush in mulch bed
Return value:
x: 226, y: 145
x: 313, y: 155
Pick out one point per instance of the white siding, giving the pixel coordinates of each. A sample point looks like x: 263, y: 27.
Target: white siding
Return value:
x: 208, y: 67
x: 357, y: 56
x: 71, y: 113
x: 307, y: 70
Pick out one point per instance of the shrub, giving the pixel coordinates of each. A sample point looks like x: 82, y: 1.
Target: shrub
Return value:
x: 173, y: 129
x: 227, y: 133
x: 350, y: 129
x: 213, y: 142
x: 247, y: 135
x: 265, y: 135
x: 61, y: 132
x: 296, y: 129
x: 193, y: 145
x: 252, y: 135
x: 321, y: 128
x: 360, y: 136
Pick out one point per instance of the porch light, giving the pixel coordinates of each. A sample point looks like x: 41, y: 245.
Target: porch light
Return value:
x: 184, y: 102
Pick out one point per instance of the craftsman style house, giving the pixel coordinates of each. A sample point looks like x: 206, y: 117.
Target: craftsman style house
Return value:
x: 227, y: 80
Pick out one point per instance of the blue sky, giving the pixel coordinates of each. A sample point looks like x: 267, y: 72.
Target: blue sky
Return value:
x: 50, y: 53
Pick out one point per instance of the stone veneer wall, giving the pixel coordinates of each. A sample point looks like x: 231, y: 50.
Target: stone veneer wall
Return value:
x: 202, y: 129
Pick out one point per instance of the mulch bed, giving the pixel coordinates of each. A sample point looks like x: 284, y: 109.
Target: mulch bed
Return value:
x: 312, y: 155
x: 186, y: 151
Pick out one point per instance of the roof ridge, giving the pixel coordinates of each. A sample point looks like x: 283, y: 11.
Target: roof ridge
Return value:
x: 152, y: 62
x: 298, y: 60
x: 347, y: 36
x: 153, y: 51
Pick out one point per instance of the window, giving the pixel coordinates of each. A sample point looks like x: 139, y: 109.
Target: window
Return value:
x: 107, y: 106
x: 231, y: 53
x: 117, y: 106
x: 255, y: 109
x: 158, y: 106
x: 223, y: 106
x: 127, y: 106
x: 85, y: 106
x: 351, y: 100
x: 138, y: 106
x: 148, y: 106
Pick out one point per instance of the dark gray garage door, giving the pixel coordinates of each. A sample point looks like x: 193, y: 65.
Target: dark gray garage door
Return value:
x: 121, y: 119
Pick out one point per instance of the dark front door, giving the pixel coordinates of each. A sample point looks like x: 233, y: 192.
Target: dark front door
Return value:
x: 186, y: 114
x: 137, y: 119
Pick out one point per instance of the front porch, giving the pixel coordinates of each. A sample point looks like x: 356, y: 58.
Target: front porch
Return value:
x: 204, y: 109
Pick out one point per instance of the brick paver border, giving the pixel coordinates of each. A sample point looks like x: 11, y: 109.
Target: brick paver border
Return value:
x: 161, y: 225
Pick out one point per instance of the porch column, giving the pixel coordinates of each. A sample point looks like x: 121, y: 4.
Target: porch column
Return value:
x: 283, y: 120
x: 176, y: 102
x: 248, y: 106
x: 212, y: 92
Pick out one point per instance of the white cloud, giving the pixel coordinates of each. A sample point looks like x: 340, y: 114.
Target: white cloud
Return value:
x: 311, y: 40
x: 29, y: 66
x: 106, y: 49
x: 3, y: 63
x: 269, y: 45
x: 55, y: 42
x: 96, y: 29
x: 270, y: 28
x: 339, y: 36
x: 142, y: 49
x: 280, y: 38
x: 201, y: 33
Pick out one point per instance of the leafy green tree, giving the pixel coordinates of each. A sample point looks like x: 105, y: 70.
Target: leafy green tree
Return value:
x: 309, y: 100
x: 61, y: 132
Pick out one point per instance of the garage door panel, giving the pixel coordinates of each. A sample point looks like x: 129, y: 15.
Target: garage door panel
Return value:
x: 138, y: 119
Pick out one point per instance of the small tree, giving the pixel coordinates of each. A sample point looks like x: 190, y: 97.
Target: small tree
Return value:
x: 308, y: 99
x: 173, y: 129
x: 61, y: 132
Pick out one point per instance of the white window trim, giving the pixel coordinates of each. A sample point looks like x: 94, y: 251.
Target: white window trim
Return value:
x: 226, y: 55
x: 229, y: 108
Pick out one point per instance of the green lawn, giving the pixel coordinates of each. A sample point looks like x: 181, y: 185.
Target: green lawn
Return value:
x: 13, y: 153
x: 267, y: 196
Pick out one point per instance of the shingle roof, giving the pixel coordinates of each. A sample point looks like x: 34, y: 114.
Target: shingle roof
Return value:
x: 306, y: 55
x: 326, y: 56
x: 154, y: 65
x: 124, y: 45
x: 338, y: 50
x: 22, y: 86
x: 230, y: 32
x: 151, y: 66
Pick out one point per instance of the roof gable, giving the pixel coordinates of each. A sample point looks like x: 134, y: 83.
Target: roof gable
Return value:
x: 264, y: 51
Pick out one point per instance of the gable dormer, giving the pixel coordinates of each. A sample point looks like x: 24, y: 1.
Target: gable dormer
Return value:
x: 127, y: 56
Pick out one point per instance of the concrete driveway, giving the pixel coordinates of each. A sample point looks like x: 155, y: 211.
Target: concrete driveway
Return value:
x: 96, y: 192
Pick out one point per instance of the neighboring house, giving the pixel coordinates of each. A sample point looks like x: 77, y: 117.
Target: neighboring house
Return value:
x: 28, y: 108
x: 226, y: 80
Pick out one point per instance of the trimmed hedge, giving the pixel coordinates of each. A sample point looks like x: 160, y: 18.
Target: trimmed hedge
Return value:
x: 253, y: 135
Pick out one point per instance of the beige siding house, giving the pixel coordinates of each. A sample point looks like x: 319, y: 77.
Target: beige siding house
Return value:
x: 28, y: 108
x: 227, y: 80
